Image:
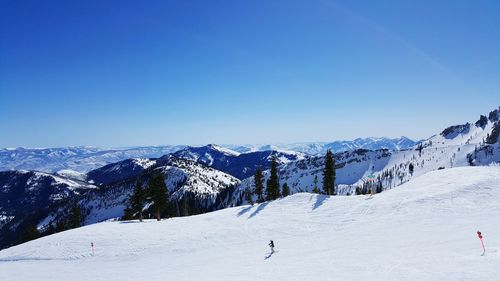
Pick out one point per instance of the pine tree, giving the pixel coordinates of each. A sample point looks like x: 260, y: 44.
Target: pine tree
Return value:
x: 411, y: 168
x: 137, y: 200
x: 128, y: 214
x: 30, y: 233
x: 359, y: 190
x: 76, y: 217
x: 329, y: 174
x: 258, y: 180
x: 248, y: 195
x: 159, y: 193
x: 273, y: 184
x: 61, y: 225
x: 185, y: 205
x: 315, y: 187
x: 285, y: 190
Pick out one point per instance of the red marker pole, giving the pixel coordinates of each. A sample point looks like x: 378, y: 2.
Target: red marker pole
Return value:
x: 480, y: 236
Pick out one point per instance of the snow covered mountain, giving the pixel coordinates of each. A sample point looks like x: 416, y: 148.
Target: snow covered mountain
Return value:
x: 80, y: 159
x: 196, y: 184
x: 26, y: 194
x: 126, y: 169
x: 206, y: 178
x: 44, y: 199
x: 423, y: 230
x: 320, y: 148
x: 238, y: 165
x: 469, y: 144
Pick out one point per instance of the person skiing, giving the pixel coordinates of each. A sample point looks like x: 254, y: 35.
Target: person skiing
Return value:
x: 271, y: 244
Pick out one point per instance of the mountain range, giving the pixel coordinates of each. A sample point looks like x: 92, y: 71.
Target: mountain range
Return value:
x: 85, y: 159
x: 212, y: 177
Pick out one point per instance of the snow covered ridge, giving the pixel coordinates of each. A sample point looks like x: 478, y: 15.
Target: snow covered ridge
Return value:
x: 120, y: 170
x: 424, y: 230
x: 238, y: 165
x: 26, y: 193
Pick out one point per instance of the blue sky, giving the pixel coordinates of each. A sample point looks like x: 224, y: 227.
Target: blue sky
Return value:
x: 122, y: 73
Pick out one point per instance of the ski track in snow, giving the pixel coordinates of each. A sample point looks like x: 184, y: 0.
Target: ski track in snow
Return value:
x: 422, y: 230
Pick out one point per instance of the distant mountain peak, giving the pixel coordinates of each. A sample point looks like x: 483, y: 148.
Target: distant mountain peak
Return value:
x: 222, y: 149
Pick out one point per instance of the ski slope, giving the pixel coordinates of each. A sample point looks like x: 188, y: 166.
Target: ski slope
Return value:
x: 422, y: 230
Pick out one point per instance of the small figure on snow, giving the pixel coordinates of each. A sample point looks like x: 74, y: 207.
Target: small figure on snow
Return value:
x: 271, y: 244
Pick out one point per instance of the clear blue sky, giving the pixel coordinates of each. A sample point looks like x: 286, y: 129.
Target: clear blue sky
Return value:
x: 122, y: 73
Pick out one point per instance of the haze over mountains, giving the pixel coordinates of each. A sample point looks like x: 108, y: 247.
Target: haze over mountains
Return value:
x: 84, y: 159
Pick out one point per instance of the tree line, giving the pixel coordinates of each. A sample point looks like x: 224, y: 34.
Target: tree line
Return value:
x: 272, y: 190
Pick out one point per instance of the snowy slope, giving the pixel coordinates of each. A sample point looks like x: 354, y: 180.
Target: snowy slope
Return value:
x: 424, y: 230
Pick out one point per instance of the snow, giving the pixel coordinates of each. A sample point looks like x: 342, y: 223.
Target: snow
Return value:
x: 422, y: 230
x: 72, y: 174
x: 144, y: 163
x: 70, y: 184
x: 5, y: 219
x: 224, y: 150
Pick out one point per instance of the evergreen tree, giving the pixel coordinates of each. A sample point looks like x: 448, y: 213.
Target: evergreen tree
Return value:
x: 60, y: 225
x: 285, y: 190
x: 258, y: 180
x: 76, y: 217
x: 379, y: 187
x: 30, y: 233
x: 128, y: 214
x: 137, y: 200
x: 248, y: 195
x: 273, y: 184
x: 185, y: 205
x: 315, y: 187
x: 50, y: 230
x: 411, y: 168
x: 159, y: 193
x: 329, y: 174
x: 359, y: 190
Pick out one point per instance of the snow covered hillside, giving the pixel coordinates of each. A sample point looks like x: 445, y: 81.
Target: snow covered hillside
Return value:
x: 24, y: 191
x: 39, y: 198
x: 470, y: 144
x: 185, y: 179
x: 29, y: 194
x: 424, y: 230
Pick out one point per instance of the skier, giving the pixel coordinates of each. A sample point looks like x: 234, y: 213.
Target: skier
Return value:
x: 271, y: 244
